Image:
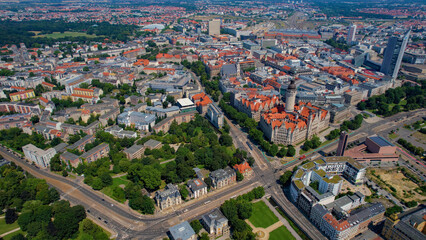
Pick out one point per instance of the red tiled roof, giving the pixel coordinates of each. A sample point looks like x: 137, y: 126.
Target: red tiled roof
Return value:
x: 44, y: 100
x: 48, y: 84
x: 243, y: 167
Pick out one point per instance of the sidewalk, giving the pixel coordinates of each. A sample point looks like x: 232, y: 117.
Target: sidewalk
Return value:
x: 283, y: 220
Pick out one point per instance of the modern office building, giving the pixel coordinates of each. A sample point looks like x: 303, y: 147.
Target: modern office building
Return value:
x: 393, y: 55
x: 343, y: 142
x: 214, y: 27
x: 327, y: 172
x: 351, y: 34
x: 215, y: 116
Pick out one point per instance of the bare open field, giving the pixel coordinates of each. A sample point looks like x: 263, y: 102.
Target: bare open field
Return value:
x: 405, y: 188
x: 419, y: 137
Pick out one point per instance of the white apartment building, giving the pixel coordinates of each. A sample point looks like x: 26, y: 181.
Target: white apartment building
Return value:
x: 38, y: 156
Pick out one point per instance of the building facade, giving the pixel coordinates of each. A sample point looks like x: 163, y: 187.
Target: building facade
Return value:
x: 170, y: 196
x: 214, y: 27
x: 96, y: 153
x: 197, y: 188
x: 343, y: 143
x: 286, y: 128
x: 393, y: 55
x: 215, y: 223
x: 223, y: 177
x: 38, y: 156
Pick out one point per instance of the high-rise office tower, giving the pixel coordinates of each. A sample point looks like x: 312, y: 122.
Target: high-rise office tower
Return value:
x: 393, y: 55
x: 290, y: 97
x: 351, y: 34
x: 214, y: 27
x: 343, y: 142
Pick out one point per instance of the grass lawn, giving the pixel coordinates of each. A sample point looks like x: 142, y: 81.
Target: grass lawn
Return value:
x: 393, y: 135
x: 262, y: 216
x: 119, y: 181
x: 281, y: 233
x: 4, y: 228
x: 116, y: 182
x: 9, y: 236
x: 57, y: 35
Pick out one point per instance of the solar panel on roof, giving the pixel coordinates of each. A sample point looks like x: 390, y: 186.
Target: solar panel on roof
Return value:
x: 381, y: 141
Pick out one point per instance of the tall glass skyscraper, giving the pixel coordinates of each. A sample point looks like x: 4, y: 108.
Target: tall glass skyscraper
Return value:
x: 393, y: 55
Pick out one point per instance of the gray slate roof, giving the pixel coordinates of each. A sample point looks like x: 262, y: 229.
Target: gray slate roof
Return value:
x: 196, y: 184
x: 133, y: 149
x: 151, y: 143
x: 215, y: 217
x: 170, y: 191
x: 182, y: 231
x: 222, y: 174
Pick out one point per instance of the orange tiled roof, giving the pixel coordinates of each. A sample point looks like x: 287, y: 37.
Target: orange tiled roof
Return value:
x: 80, y: 96
x: 18, y: 88
x: 243, y: 167
x: 19, y: 93
x: 44, y: 100
x: 48, y: 84
x: 83, y: 89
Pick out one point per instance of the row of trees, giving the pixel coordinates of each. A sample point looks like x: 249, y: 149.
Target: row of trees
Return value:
x: 410, y: 147
x: 257, y: 135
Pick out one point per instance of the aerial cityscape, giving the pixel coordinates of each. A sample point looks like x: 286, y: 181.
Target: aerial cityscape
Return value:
x: 222, y: 119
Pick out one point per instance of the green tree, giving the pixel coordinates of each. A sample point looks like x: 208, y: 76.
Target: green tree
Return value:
x: 97, y: 183
x: 282, y: 152
x: 106, y: 179
x: 291, y: 151
x: 183, y: 192
x: 204, y: 236
x: 10, y: 216
x: 93, y: 230
x: 196, y: 225
x: 284, y: 179
x: 273, y: 150
x: 225, y: 140
x: 35, y: 119
x: 18, y: 236
x: 151, y: 177
x: 245, y: 209
x: 240, y: 176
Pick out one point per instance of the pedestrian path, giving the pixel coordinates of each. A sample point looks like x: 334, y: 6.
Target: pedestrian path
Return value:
x: 11, y: 231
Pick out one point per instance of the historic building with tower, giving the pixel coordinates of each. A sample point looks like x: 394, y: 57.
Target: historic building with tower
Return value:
x: 293, y: 123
